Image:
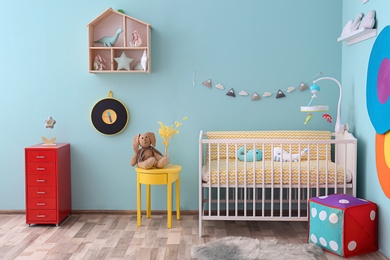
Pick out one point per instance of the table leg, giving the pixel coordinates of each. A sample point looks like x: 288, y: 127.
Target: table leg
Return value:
x: 178, y: 199
x: 169, y: 203
x: 148, y: 207
x: 138, y: 201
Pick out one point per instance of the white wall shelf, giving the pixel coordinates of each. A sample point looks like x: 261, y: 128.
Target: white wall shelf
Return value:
x: 358, y: 36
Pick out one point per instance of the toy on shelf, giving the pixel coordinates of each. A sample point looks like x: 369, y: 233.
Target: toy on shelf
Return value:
x: 109, y: 41
x: 144, y: 61
x: 123, y: 62
x: 352, y: 25
x: 99, y: 63
x: 136, y: 41
x: 49, y: 123
x: 368, y: 21
x: 138, y: 66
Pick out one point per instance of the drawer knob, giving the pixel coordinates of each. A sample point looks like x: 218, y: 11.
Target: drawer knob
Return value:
x: 41, y: 216
x: 41, y: 169
x: 41, y: 157
x: 41, y: 192
x: 41, y: 204
x: 40, y: 180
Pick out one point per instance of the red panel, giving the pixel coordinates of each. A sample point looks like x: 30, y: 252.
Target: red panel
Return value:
x: 41, y: 192
x: 41, y: 168
x: 361, y: 230
x: 41, y: 156
x: 64, y: 177
x: 36, y: 216
x: 42, y: 203
x: 41, y: 180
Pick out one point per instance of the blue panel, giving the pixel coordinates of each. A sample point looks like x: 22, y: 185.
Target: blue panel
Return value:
x: 326, y: 227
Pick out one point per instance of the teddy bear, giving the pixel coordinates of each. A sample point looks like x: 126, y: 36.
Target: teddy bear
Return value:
x: 147, y: 156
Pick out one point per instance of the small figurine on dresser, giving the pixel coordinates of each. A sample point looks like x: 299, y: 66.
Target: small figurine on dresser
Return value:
x: 49, y: 124
x: 147, y: 156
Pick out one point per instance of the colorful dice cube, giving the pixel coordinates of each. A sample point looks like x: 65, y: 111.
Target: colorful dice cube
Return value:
x: 343, y: 224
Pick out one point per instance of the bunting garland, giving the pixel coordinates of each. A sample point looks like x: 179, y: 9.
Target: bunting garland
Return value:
x: 254, y: 94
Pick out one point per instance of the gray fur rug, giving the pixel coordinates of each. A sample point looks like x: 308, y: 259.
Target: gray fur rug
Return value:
x: 249, y: 248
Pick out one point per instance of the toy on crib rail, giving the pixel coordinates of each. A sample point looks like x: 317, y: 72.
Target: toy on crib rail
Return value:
x: 249, y: 155
x: 147, y: 156
x: 278, y: 152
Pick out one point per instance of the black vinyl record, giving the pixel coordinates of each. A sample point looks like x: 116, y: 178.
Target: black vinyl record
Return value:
x: 109, y: 116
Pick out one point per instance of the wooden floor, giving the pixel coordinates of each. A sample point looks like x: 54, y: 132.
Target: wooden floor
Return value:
x: 110, y: 236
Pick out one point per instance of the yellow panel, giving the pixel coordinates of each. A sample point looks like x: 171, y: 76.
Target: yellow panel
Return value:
x: 298, y: 173
x: 150, y: 178
x: 324, y: 150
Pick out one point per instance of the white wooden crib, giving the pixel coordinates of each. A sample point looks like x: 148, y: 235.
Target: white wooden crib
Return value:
x: 294, y: 166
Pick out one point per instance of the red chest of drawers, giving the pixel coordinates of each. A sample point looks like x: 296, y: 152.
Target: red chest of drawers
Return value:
x: 48, y: 184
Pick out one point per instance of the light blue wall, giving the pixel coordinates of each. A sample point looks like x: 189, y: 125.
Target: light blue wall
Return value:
x: 354, y: 77
x: 252, y: 45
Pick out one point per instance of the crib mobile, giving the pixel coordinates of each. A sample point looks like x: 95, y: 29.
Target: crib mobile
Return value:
x: 314, y: 89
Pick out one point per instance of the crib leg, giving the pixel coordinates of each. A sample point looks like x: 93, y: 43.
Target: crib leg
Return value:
x: 200, y: 227
x: 200, y: 212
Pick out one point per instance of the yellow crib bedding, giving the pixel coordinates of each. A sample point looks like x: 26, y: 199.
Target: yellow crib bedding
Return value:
x: 303, y: 172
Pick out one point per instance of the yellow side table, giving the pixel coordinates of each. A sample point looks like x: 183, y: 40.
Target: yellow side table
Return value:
x: 167, y: 175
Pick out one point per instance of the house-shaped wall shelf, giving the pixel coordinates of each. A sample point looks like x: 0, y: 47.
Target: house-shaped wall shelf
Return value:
x: 126, y: 31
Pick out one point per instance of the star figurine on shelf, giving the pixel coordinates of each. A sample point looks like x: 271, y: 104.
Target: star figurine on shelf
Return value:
x: 123, y: 61
x: 49, y: 123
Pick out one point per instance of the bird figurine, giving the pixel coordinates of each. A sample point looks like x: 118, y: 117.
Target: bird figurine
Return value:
x: 308, y: 118
x: 109, y: 41
x: 327, y: 117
